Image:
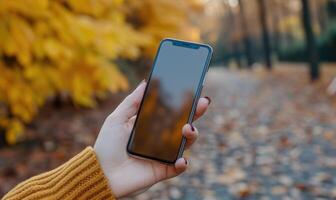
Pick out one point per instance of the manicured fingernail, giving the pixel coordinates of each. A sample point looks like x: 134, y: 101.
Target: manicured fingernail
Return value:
x: 185, y: 160
x: 209, y: 100
x: 192, y: 127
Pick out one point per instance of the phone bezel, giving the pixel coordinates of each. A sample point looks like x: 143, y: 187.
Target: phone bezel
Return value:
x: 197, y: 94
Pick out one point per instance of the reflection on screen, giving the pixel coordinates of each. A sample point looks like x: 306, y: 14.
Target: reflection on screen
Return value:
x: 168, y: 101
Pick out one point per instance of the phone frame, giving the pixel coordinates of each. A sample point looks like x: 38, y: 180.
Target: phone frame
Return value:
x: 197, y: 94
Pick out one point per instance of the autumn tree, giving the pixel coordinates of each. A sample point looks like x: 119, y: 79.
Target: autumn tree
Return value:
x: 312, y: 53
x: 163, y: 18
x: 246, y: 37
x: 51, y: 48
x: 234, y: 37
x: 265, y: 33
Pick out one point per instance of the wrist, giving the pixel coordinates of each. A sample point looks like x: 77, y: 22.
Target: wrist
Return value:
x: 103, y: 166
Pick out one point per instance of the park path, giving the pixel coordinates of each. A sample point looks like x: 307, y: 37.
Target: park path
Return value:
x: 265, y: 136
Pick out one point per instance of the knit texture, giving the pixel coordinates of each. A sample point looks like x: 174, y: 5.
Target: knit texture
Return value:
x: 79, y: 178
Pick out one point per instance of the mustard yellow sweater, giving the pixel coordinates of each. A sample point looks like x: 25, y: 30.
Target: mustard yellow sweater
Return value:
x: 79, y: 178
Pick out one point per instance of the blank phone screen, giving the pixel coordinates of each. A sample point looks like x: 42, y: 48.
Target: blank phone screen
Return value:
x: 168, y: 100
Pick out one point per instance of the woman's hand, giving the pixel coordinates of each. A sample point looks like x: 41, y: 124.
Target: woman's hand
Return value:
x: 126, y: 174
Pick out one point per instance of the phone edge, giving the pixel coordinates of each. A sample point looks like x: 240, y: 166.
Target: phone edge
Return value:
x: 193, y: 109
x: 197, y: 96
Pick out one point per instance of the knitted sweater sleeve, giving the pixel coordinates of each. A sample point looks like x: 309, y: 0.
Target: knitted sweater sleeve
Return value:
x: 79, y: 178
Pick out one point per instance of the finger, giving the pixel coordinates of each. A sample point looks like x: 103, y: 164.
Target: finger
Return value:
x: 179, y: 167
x: 190, y: 133
x: 129, y: 106
x: 202, y: 106
x: 133, y: 195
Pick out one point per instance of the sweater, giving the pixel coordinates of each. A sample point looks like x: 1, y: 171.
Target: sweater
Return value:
x: 79, y: 178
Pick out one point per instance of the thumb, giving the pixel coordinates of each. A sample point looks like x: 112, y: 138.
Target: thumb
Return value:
x: 129, y: 106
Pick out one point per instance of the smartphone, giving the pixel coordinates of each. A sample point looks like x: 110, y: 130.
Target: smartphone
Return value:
x: 170, y: 99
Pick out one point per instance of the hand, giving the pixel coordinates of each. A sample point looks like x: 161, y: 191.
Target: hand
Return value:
x: 126, y: 174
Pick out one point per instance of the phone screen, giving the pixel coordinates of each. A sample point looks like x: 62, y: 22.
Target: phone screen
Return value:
x: 169, y: 100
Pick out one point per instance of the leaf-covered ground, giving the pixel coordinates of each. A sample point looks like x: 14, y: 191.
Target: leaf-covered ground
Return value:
x: 266, y: 136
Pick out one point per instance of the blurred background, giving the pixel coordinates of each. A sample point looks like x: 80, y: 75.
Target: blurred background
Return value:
x: 270, y: 132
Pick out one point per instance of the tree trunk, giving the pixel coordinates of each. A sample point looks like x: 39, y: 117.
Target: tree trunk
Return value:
x: 287, y: 38
x: 236, y: 52
x: 310, y: 41
x: 246, y: 39
x: 275, y: 17
x: 322, y: 15
x: 265, y: 34
x: 234, y: 43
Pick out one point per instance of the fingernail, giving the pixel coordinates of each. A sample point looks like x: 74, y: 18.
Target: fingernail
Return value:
x: 192, y: 127
x: 209, y: 100
x: 185, y: 160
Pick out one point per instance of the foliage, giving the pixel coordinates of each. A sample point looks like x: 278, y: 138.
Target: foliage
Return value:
x: 67, y: 48
x: 326, y: 44
x: 163, y: 18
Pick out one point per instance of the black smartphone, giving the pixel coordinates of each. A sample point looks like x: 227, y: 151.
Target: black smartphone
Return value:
x: 170, y: 99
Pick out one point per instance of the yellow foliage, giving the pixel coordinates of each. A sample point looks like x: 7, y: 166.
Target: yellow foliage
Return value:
x: 159, y: 19
x: 68, y: 48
